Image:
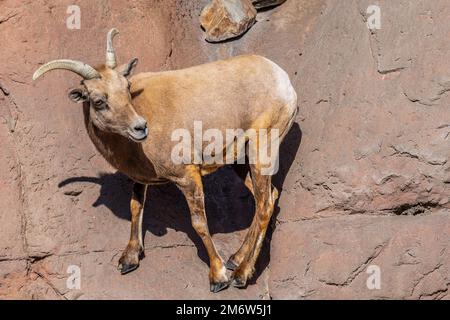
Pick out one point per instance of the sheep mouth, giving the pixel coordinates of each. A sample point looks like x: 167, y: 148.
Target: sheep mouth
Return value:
x: 138, y: 136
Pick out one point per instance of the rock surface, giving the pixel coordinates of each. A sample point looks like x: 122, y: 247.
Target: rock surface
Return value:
x: 227, y: 19
x: 365, y: 176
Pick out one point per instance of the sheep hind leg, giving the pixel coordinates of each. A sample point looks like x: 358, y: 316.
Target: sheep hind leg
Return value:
x: 192, y: 188
x: 243, y: 261
x: 243, y: 172
x: 134, y: 251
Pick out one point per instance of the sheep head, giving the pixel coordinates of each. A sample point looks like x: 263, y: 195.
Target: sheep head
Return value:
x: 107, y: 91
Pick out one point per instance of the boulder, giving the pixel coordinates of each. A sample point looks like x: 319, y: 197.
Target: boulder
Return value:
x: 227, y: 19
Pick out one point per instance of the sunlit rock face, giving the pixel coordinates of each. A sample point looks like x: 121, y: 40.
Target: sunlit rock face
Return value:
x: 364, y: 174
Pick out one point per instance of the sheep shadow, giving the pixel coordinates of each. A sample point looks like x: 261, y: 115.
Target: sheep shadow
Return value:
x: 229, y: 205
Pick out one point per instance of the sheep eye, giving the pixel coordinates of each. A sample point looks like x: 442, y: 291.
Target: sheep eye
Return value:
x: 98, y: 103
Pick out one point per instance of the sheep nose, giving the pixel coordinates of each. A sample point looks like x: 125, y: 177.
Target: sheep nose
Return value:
x: 140, y: 125
x: 139, y: 131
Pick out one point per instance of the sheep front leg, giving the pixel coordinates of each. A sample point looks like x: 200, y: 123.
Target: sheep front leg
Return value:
x: 192, y: 188
x: 135, y: 248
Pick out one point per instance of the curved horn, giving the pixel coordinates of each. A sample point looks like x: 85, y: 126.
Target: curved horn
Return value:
x: 80, y: 68
x: 110, y: 53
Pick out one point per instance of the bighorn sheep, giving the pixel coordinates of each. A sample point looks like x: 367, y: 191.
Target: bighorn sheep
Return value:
x: 244, y: 92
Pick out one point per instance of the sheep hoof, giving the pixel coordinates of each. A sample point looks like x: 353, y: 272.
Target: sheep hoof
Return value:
x: 238, y: 283
x: 230, y: 265
x: 125, y: 268
x: 216, y: 287
x: 238, y: 280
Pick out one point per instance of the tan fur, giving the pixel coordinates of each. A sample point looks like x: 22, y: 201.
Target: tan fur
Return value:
x: 235, y: 93
x: 245, y: 92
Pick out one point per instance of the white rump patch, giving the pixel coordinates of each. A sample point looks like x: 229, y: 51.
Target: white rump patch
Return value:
x: 284, y: 86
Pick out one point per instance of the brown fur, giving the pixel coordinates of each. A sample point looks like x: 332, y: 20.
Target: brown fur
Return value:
x: 243, y: 92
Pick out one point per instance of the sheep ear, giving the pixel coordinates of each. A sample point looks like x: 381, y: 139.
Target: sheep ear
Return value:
x: 127, y: 69
x: 78, y: 95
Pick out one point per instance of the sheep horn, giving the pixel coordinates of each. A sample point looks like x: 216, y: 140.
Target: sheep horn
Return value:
x: 110, y: 53
x: 80, y: 68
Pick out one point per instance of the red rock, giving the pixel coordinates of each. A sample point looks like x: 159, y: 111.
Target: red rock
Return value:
x: 367, y: 175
